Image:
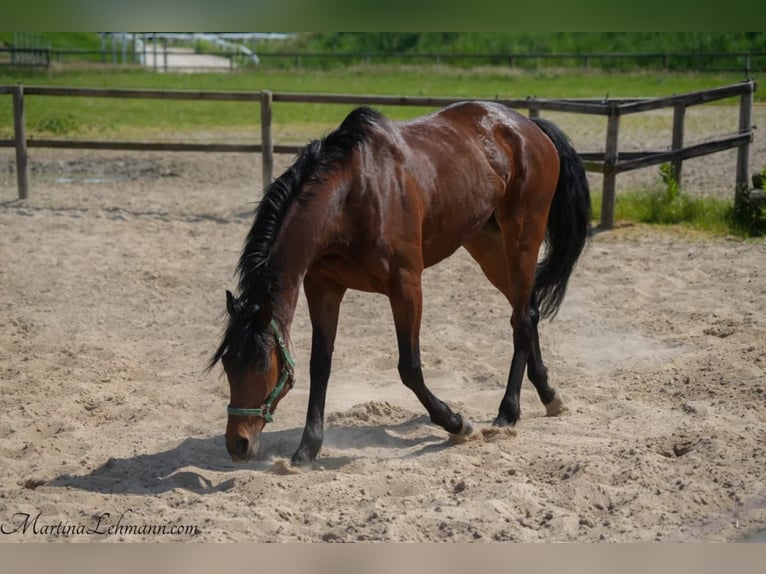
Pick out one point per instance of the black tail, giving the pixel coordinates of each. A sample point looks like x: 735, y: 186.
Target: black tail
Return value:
x: 568, y: 224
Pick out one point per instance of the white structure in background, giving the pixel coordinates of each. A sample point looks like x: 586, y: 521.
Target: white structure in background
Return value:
x: 164, y: 50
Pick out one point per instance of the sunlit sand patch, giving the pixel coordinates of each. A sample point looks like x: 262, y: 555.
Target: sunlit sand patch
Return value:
x: 484, y: 434
x: 283, y: 466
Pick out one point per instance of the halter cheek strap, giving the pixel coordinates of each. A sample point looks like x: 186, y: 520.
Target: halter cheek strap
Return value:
x: 287, y: 377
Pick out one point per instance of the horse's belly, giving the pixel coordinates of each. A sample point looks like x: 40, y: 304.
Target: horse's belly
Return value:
x: 367, y: 276
x: 446, y: 231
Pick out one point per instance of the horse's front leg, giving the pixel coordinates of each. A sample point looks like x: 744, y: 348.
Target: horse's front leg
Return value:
x: 406, y: 299
x: 324, y: 300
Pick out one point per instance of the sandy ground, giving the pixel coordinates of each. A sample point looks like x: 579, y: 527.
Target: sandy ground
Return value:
x: 112, y: 279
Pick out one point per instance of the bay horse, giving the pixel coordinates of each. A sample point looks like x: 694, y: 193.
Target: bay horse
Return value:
x: 369, y: 207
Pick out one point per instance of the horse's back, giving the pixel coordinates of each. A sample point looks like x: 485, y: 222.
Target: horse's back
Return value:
x: 462, y: 164
x: 421, y: 188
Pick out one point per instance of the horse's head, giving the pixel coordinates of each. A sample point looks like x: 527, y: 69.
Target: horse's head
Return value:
x: 259, y: 368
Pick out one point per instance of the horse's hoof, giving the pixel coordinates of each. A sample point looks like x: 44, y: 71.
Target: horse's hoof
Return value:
x: 507, y: 416
x: 555, y: 407
x: 463, y: 435
x: 502, y: 421
x: 466, y: 429
x: 302, y: 458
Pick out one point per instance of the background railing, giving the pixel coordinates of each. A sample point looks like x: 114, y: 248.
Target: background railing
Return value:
x: 609, y: 162
x: 139, y: 53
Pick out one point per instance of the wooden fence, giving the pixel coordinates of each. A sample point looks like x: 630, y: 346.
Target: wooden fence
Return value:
x: 610, y: 162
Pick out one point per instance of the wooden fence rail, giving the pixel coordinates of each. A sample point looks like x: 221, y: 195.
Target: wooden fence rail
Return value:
x: 610, y: 162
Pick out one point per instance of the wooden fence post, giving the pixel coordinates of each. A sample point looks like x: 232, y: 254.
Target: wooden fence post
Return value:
x: 610, y: 160
x: 20, y: 132
x: 267, y: 144
x: 679, y: 114
x: 743, y: 151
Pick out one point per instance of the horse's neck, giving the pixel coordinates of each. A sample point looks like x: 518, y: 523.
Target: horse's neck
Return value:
x: 302, y: 236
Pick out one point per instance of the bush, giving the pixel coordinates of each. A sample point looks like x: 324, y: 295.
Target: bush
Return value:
x: 749, y: 214
x: 667, y: 204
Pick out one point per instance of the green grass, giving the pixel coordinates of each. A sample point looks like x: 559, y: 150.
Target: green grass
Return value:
x: 406, y: 80
x: 131, y: 118
x: 666, y: 204
x: 396, y: 43
x: 657, y: 206
x: 522, y: 42
x: 711, y: 216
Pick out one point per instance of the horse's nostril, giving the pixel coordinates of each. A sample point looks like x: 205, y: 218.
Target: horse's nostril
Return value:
x: 241, y: 448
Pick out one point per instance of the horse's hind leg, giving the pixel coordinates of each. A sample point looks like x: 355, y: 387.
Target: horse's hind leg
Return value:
x: 536, y: 370
x: 406, y: 299
x: 521, y: 244
x: 487, y: 249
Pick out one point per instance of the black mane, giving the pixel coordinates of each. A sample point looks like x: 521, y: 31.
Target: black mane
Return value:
x: 246, y: 342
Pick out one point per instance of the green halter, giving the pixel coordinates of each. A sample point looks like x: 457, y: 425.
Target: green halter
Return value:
x: 286, y: 378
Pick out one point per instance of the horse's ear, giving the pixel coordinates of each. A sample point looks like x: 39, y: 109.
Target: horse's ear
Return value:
x: 264, y: 314
x: 231, y: 303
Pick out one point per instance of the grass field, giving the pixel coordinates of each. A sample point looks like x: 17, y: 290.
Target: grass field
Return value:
x: 156, y: 118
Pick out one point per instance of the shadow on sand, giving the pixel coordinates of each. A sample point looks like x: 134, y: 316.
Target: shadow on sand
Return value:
x: 183, y: 466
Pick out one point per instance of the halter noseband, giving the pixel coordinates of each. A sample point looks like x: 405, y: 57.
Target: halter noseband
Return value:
x: 287, y: 377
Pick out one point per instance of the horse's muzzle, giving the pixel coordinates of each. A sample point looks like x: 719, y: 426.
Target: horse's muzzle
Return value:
x: 242, y: 448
